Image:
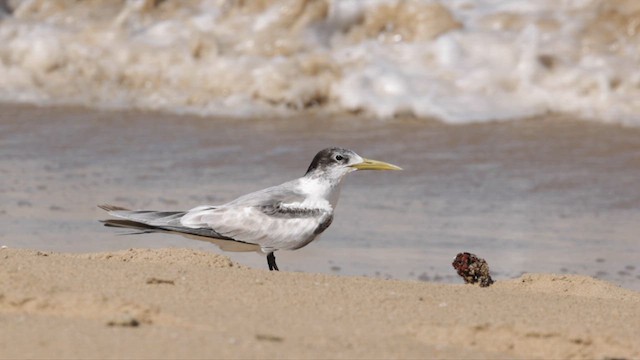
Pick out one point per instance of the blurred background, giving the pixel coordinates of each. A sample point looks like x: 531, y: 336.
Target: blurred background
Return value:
x: 459, y: 61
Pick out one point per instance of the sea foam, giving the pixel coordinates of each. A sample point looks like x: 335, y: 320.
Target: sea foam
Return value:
x: 459, y: 61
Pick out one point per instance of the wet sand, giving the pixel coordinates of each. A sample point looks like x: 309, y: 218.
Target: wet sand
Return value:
x: 544, y: 195
x: 184, y: 303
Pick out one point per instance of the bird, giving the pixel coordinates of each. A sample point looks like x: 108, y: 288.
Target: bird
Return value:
x: 288, y: 216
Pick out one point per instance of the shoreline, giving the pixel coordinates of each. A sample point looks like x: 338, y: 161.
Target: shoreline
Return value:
x: 168, y: 303
x: 484, y: 188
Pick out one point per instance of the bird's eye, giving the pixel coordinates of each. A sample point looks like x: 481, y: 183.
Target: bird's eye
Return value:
x: 339, y: 157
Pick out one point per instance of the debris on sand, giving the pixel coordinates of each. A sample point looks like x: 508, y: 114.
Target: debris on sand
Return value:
x: 124, y: 320
x: 154, y: 280
x: 472, y: 269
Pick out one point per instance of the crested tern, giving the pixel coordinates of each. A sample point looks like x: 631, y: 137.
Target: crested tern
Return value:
x: 283, y: 217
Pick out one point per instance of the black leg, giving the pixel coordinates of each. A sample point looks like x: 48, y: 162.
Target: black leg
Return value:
x: 271, y: 260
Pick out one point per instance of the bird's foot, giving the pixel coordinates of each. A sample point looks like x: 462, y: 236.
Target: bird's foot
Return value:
x: 271, y: 260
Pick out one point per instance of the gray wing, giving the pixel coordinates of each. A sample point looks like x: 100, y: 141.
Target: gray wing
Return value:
x: 283, y: 193
x: 165, y: 220
x: 264, y: 218
x: 146, y: 221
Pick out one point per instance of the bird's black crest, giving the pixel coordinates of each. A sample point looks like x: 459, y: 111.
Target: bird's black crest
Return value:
x: 328, y: 156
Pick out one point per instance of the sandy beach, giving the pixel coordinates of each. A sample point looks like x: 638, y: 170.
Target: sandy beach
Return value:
x: 185, y: 303
x: 78, y: 293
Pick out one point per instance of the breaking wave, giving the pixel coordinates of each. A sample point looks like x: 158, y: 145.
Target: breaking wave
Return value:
x: 459, y: 61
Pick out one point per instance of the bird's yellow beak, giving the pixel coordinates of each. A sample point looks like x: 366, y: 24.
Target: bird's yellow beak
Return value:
x: 368, y: 164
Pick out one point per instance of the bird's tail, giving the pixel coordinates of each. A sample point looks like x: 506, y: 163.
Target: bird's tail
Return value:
x: 146, y: 219
x: 129, y: 224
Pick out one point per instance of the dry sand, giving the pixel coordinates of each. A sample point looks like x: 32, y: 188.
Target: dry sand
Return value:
x: 178, y: 303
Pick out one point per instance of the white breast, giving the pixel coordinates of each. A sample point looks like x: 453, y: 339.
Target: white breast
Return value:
x: 319, y: 193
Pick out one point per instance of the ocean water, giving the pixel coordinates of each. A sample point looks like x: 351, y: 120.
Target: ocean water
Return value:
x: 460, y: 61
x: 517, y: 124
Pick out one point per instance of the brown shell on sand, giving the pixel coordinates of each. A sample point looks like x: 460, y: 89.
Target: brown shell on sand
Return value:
x: 472, y: 269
